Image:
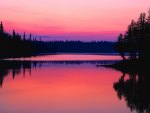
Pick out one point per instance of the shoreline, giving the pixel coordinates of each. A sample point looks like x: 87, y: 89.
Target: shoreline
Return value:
x: 42, y: 54
x: 130, y: 66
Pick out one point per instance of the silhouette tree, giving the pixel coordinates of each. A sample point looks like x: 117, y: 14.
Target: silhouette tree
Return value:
x: 30, y: 38
x: 15, y: 45
x: 24, y: 36
x: 136, y: 39
x: 1, y: 28
x: 120, y: 46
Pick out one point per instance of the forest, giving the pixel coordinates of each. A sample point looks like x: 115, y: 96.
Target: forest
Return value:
x: 16, y: 45
x: 136, y: 40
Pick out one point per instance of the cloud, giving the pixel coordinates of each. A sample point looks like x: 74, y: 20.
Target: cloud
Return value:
x: 13, y: 9
x: 47, y: 27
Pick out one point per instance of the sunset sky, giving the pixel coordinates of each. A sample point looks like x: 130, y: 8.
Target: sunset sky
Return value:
x: 71, y: 19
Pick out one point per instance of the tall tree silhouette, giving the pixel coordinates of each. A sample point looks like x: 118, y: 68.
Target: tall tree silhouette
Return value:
x: 15, y: 45
x: 12, y: 45
x: 136, y: 40
x: 1, y: 28
x: 120, y: 46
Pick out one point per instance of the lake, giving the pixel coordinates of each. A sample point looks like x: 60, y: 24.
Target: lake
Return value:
x: 60, y: 84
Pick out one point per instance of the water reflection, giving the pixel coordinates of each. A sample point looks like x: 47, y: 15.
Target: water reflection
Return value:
x: 58, y: 87
x: 17, y: 67
x: 134, y: 88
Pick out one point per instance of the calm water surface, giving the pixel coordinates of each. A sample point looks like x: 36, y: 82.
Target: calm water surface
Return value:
x: 70, y: 57
x: 60, y: 84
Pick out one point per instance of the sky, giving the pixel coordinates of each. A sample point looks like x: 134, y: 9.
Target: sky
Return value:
x: 71, y: 19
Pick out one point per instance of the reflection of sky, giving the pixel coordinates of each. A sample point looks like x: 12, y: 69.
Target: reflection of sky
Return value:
x: 61, y: 89
x: 71, y: 17
x: 71, y: 57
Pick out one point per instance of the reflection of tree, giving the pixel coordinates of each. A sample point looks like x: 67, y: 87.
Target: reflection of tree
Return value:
x: 17, y: 67
x: 135, y: 91
x: 13, y: 67
x: 3, y: 73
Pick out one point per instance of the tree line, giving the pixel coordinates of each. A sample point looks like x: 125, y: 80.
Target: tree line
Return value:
x: 82, y: 47
x: 16, y: 45
x: 136, y: 40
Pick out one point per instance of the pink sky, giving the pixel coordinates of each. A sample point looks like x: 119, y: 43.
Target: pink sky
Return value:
x: 71, y: 19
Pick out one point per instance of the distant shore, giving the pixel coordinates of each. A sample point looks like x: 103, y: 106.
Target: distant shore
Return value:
x: 73, y: 53
x: 62, y: 53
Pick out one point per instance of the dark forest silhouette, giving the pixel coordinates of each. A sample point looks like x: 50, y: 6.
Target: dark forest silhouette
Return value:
x: 135, y: 43
x: 15, y: 45
x: 136, y: 40
x: 82, y: 47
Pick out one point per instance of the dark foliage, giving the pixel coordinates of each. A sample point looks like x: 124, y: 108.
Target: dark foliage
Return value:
x: 82, y: 47
x: 136, y: 40
x: 16, y: 46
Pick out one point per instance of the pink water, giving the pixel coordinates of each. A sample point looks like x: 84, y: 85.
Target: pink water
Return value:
x: 57, y: 88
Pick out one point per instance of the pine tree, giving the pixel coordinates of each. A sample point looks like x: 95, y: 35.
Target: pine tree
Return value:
x: 24, y: 36
x: 1, y: 28
x: 30, y: 37
x: 120, y: 46
x: 136, y: 39
x: 148, y: 18
x: 14, y: 34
